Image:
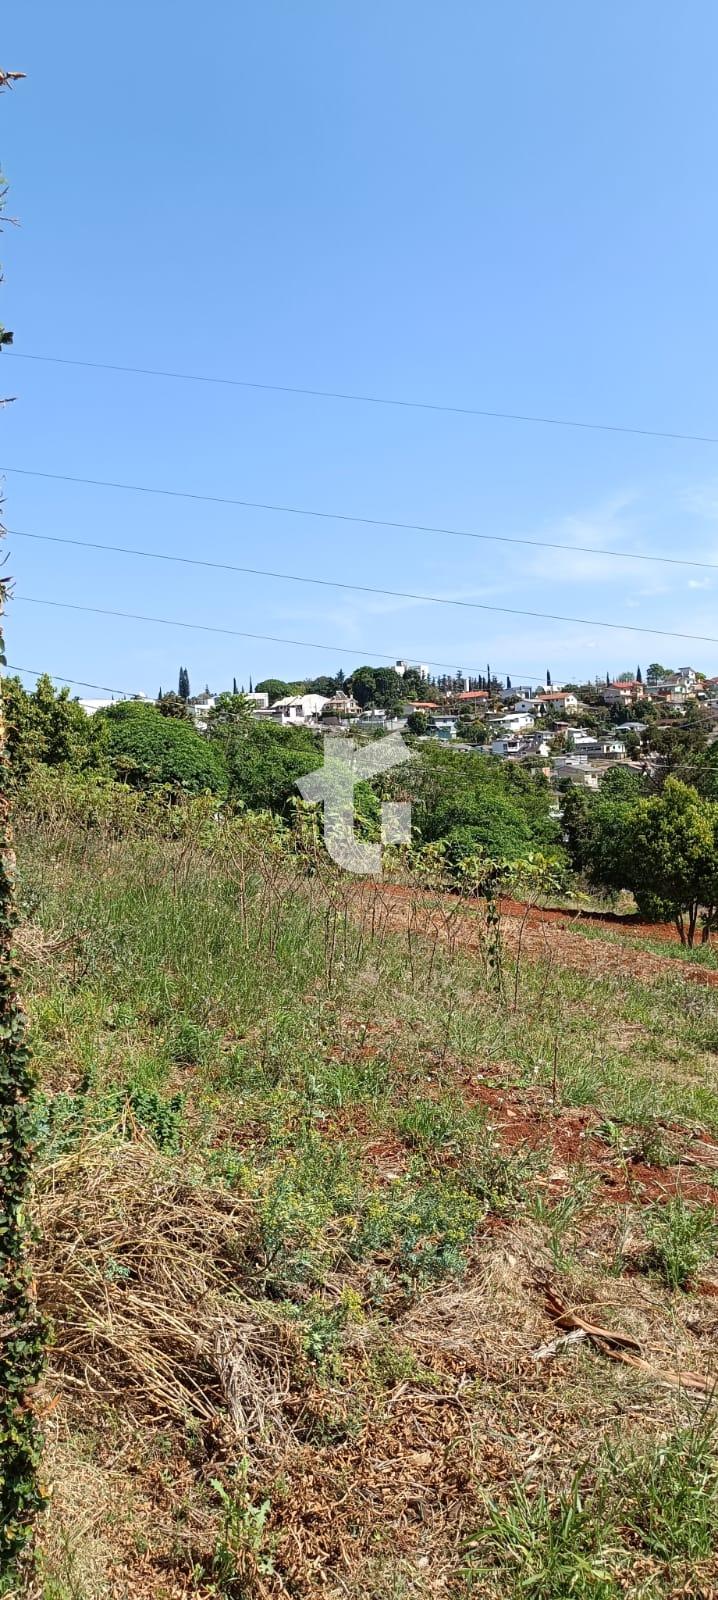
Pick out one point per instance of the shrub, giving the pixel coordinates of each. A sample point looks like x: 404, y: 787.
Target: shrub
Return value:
x: 148, y: 750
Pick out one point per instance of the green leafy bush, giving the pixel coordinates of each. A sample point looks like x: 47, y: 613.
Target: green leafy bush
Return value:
x: 148, y: 750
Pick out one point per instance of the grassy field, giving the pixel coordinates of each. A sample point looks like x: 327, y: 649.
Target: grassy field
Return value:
x: 324, y: 1204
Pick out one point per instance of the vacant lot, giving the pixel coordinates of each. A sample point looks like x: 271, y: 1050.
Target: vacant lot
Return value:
x: 380, y: 1243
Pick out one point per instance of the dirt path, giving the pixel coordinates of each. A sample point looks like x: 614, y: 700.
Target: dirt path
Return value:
x: 541, y: 934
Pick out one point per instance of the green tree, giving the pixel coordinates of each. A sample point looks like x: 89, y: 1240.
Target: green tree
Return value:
x: 507, y: 806
x: 45, y: 725
x: 322, y: 685
x: 674, y: 852
x: 277, y: 689
x: 378, y: 686
x: 363, y: 687
x: 264, y: 762
x: 183, y: 685
x: 149, y: 751
x: 173, y: 705
x: 417, y: 722
x: 663, y: 848
x: 230, y: 714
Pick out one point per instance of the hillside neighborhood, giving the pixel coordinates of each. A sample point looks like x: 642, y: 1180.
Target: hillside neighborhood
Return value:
x: 571, y: 733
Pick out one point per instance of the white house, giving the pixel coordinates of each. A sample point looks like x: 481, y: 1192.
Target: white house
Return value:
x: 91, y: 706
x: 305, y: 708
x: 412, y: 666
x: 443, y: 727
x: 605, y: 749
x: 575, y: 768
x: 510, y: 745
x: 512, y: 722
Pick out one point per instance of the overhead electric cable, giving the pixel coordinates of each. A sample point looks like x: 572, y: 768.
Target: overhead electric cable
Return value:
x: 513, y: 611
x: 78, y: 683
x: 367, y: 522
x: 255, y: 572
x: 369, y: 399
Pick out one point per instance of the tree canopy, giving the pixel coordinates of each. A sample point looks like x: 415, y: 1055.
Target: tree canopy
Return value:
x: 148, y: 750
x: 277, y: 689
x: 663, y: 848
x: 263, y: 760
x: 505, y: 807
x: 46, y: 725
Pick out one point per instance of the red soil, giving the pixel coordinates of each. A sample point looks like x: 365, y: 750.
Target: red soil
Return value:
x: 541, y: 933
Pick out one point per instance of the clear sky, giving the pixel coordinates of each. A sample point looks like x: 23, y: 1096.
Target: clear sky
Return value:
x: 506, y: 206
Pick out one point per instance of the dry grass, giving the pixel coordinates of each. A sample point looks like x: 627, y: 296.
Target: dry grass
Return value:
x: 375, y: 1486
x: 137, y: 1268
x: 382, y: 1411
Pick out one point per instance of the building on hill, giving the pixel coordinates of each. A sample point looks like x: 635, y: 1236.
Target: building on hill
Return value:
x: 90, y: 707
x: 509, y: 746
x: 199, y: 707
x: 443, y: 727
x: 518, y: 691
x: 297, y: 708
x: 511, y: 722
x: 419, y: 667
x: 376, y: 719
x: 623, y: 694
x: 341, y: 706
x: 576, y: 769
x: 672, y: 691
x: 554, y: 702
x: 469, y: 698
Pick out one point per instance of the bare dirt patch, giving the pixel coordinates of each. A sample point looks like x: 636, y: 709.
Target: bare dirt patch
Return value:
x: 541, y: 934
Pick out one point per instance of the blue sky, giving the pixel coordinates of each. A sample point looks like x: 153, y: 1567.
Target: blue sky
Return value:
x: 507, y: 207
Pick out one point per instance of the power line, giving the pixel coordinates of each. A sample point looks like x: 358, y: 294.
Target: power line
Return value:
x: 255, y: 572
x: 367, y: 522
x: 369, y: 399
x: 208, y: 628
x: 78, y: 683
x: 513, y: 611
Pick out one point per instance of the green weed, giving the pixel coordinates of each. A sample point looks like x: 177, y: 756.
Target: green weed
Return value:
x: 682, y: 1238
x: 243, y: 1548
x: 548, y: 1551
